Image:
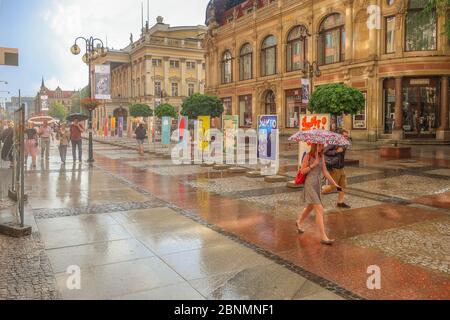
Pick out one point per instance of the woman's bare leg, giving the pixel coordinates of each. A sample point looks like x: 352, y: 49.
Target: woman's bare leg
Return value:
x: 305, y: 214
x: 320, y: 223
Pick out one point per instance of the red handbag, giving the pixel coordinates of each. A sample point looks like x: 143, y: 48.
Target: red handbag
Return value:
x: 300, y: 178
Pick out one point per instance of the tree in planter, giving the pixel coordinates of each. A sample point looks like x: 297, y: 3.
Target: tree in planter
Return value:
x: 202, y: 105
x: 58, y: 111
x: 165, y: 110
x: 140, y: 110
x: 336, y: 99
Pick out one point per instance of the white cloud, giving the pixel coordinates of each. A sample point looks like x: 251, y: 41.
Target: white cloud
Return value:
x: 114, y: 19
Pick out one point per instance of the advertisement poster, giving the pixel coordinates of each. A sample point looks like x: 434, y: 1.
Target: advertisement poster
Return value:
x: 230, y: 130
x: 102, y: 82
x: 360, y: 119
x: 44, y: 103
x: 312, y: 122
x: 267, y: 141
x: 183, y: 130
x: 165, y: 130
x: 120, y: 127
x: 305, y: 91
x: 204, y: 124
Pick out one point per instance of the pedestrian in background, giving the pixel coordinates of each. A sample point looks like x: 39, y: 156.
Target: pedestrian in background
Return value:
x: 335, y: 160
x: 313, y: 166
x: 31, y: 145
x: 76, y: 130
x: 63, y: 137
x: 141, y: 135
x: 46, y: 133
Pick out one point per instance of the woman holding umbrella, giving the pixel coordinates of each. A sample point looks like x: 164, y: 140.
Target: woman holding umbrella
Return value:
x: 313, y: 167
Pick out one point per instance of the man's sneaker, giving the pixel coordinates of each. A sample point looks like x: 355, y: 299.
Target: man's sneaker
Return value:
x: 343, y: 206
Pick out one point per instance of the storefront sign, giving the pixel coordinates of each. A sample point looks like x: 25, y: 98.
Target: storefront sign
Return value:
x: 415, y: 82
x: 102, y: 82
x: 165, y: 130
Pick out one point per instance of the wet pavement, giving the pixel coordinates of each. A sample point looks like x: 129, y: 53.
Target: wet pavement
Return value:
x: 143, y: 228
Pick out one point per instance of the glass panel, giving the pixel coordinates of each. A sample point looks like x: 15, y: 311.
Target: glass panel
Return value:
x: 269, y: 42
x: 420, y: 31
x: 246, y: 66
x: 297, y: 57
x: 227, y: 105
x: 332, y: 21
x: 390, y: 35
x: 270, y: 61
x: 245, y: 111
x: 294, y: 108
x: 247, y: 48
x: 332, y: 41
x: 389, y: 110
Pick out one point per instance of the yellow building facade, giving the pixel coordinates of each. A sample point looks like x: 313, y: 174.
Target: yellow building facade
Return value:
x: 165, y: 65
x: 257, y: 52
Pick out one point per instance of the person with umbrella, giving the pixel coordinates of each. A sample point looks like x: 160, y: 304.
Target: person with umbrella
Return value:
x: 76, y: 130
x: 313, y: 167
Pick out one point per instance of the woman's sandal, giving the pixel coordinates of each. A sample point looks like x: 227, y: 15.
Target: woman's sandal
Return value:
x: 327, y: 242
x: 299, y: 230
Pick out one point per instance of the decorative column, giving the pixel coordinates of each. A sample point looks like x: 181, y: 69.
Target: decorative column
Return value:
x: 183, y: 90
x: 443, y: 133
x: 200, y: 76
x: 398, y: 133
x: 167, y: 87
x: 348, y: 30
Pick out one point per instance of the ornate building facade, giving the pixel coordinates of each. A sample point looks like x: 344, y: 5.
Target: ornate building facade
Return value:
x: 46, y: 97
x: 165, y: 65
x: 258, y: 51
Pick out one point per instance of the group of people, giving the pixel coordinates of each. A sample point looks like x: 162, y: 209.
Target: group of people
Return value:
x: 328, y: 162
x: 46, y: 134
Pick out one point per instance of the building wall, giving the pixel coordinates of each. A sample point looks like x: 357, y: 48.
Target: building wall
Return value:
x: 365, y: 65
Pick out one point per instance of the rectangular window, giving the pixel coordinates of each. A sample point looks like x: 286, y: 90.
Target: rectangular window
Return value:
x: 191, y: 89
x: 190, y: 65
x: 227, y: 105
x: 390, y: 34
x: 294, y: 108
x: 245, y: 111
x: 157, y: 62
x: 174, y: 89
x: 158, y: 89
x: 421, y: 33
x: 174, y: 64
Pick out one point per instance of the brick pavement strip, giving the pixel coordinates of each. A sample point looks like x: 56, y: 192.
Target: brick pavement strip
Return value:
x: 26, y: 270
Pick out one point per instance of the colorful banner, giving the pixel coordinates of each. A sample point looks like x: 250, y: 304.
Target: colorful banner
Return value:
x: 113, y: 126
x: 165, y: 130
x: 267, y: 141
x: 102, y: 82
x: 183, y: 128
x: 120, y: 127
x: 204, y: 124
x: 230, y: 129
x: 312, y: 122
x: 105, y: 126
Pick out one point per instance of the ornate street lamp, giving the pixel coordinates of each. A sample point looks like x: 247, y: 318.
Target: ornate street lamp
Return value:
x: 94, y: 49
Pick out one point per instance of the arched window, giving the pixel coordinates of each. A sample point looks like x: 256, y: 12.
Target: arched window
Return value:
x: 271, y: 106
x: 227, y: 67
x: 269, y: 56
x: 331, y: 46
x: 420, y: 28
x: 296, y: 49
x: 246, y: 62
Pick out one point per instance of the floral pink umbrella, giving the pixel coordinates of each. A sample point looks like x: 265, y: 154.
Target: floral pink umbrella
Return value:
x: 320, y: 137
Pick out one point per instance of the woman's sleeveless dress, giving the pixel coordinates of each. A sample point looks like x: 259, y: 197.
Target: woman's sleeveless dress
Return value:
x: 313, y: 188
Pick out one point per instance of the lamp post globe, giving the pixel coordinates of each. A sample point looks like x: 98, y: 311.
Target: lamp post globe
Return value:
x: 75, y: 49
x: 85, y: 58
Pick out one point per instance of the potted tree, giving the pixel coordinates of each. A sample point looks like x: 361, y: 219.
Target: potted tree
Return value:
x: 165, y: 110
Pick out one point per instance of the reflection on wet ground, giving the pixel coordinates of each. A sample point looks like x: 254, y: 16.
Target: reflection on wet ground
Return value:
x: 143, y: 228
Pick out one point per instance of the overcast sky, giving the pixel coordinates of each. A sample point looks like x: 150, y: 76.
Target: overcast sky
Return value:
x: 44, y: 30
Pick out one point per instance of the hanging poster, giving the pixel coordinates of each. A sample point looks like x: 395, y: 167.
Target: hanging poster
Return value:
x: 306, y: 90
x: 183, y: 130
x: 44, y: 103
x: 312, y: 122
x: 230, y: 130
x: 113, y: 126
x: 165, y: 130
x: 267, y: 125
x: 102, y: 82
x: 120, y: 127
x: 204, y: 124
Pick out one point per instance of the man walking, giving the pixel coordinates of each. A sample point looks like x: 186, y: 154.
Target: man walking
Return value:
x: 76, y: 129
x: 335, y: 160
x: 45, y: 133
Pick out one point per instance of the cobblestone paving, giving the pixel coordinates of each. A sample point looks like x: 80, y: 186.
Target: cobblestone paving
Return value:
x: 426, y: 244
x: 96, y: 209
x: 26, y: 270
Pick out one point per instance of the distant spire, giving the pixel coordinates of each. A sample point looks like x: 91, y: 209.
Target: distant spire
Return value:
x: 42, y: 83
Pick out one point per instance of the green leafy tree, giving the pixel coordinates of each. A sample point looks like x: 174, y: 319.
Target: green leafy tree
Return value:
x: 140, y: 110
x: 202, y: 105
x: 58, y: 111
x: 442, y: 8
x: 337, y: 99
x: 165, y: 110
